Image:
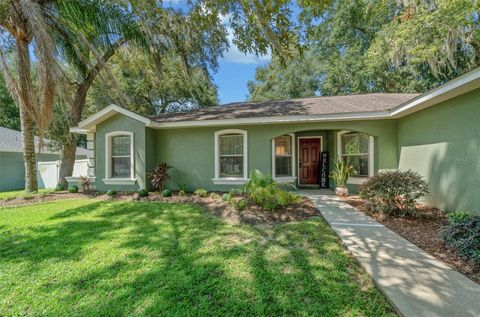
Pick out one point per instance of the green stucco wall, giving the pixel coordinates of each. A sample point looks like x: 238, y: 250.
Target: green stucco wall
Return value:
x: 442, y: 143
x: 191, y: 150
x: 122, y: 123
x: 12, y: 170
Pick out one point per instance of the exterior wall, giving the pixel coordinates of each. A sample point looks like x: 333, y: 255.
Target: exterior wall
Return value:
x: 442, y: 143
x: 191, y: 150
x: 12, y: 170
x: 121, y: 123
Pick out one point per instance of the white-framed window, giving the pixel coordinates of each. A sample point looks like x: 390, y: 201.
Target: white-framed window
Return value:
x: 231, y: 157
x: 119, y: 158
x: 283, y: 158
x: 357, y: 149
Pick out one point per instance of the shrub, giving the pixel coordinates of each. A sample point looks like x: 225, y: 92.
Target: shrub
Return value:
x: 73, y: 189
x: 463, y: 234
x: 341, y: 171
x: 267, y: 194
x: 112, y: 193
x: 459, y: 216
x: 143, y: 192
x: 394, y: 192
x: 183, y: 187
x: 226, y: 197
x: 59, y: 187
x: 160, y: 176
x: 85, y: 183
x: 215, y: 196
x: 181, y: 193
x: 200, y: 192
x: 239, y: 204
x: 167, y: 193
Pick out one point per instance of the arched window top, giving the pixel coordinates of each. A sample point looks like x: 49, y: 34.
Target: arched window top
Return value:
x: 231, y: 157
x: 357, y: 148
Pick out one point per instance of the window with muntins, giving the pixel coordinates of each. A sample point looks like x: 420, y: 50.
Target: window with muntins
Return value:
x: 121, y: 156
x: 283, y: 156
x: 355, y: 151
x: 231, y: 155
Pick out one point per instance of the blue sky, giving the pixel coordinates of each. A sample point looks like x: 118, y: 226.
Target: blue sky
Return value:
x: 235, y: 68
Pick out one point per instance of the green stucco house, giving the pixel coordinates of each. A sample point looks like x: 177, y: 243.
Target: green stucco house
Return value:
x: 436, y: 134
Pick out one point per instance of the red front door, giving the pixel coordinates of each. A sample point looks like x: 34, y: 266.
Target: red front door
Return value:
x: 309, y: 159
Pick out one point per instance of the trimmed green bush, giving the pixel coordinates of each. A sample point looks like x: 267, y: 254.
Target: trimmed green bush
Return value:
x: 200, y: 192
x: 227, y: 197
x: 111, y: 193
x: 167, y: 193
x: 73, y: 189
x: 394, y: 192
x: 59, y: 188
x: 462, y: 233
x: 143, y: 192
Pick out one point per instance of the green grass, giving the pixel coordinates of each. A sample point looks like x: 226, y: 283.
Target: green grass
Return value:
x: 21, y: 193
x: 111, y: 258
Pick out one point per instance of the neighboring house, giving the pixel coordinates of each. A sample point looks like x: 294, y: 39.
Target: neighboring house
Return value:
x: 436, y: 134
x: 12, y: 170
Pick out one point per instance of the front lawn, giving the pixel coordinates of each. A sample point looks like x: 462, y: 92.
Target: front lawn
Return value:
x: 115, y: 258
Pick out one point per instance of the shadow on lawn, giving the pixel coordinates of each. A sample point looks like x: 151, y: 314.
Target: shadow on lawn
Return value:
x: 169, y: 259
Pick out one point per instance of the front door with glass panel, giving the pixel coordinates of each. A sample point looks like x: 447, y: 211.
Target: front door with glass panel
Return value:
x: 309, y: 158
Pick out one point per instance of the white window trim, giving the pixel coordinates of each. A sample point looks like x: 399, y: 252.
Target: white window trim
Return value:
x: 217, y: 180
x: 108, y: 180
x: 359, y: 180
x: 285, y: 179
x: 298, y: 152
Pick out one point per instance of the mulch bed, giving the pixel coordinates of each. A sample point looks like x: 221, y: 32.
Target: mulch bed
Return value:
x: 424, y: 231
x: 40, y: 198
x: 251, y: 215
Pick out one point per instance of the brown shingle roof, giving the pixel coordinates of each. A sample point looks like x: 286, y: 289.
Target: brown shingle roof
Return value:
x: 306, y: 106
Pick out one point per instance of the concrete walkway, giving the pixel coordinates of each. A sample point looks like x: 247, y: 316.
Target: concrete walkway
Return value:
x: 416, y: 283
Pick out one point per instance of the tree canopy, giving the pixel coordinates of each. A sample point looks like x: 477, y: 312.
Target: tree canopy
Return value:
x: 362, y: 46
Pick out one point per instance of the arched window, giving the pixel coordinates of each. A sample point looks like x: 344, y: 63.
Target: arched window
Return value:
x: 283, y: 158
x: 119, y: 158
x: 231, y: 157
x: 357, y: 149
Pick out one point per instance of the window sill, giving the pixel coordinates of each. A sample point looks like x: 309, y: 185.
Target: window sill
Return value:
x: 285, y: 179
x: 359, y: 180
x: 230, y: 181
x: 119, y: 181
x: 77, y: 179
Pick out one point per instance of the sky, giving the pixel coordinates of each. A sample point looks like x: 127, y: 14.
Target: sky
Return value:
x: 235, y: 68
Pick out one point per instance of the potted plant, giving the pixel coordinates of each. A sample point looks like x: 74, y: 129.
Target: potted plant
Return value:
x: 340, y: 173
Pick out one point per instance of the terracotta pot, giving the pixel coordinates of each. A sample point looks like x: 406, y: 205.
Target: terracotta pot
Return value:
x: 341, y: 191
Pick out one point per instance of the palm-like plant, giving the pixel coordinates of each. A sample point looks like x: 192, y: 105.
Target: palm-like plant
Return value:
x: 160, y: 176
x: 341, y: 171
x: 84, y: 33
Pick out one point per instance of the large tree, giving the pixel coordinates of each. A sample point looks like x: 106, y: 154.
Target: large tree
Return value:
x: 363, y: 46
x: 27, y: 24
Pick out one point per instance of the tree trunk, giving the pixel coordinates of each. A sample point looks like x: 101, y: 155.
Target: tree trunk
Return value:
x: 27, y: 124
x: 69, y: 148
x: 29, y: 153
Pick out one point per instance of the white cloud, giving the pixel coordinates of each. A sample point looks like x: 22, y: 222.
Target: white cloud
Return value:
x: 234, y: 55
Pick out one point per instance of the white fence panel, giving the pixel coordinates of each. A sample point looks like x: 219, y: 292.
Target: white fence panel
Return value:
x: 48, y: 173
